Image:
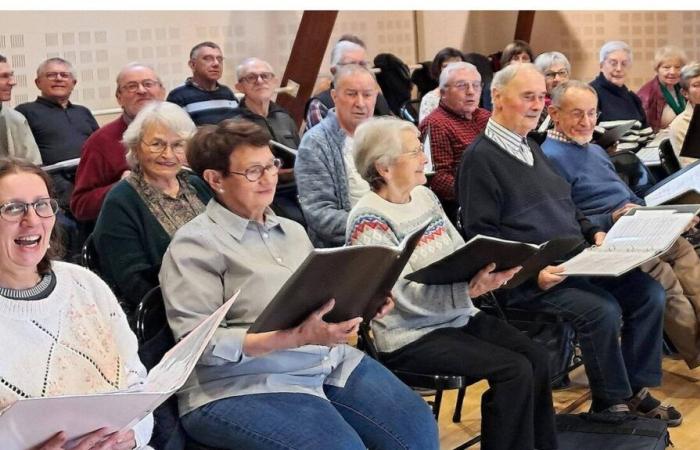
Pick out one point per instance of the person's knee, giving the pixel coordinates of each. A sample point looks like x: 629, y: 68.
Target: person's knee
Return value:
x: 602, y: 314
x: 518, y: 367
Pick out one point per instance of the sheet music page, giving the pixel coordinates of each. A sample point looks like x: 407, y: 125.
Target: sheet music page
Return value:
x: 428, y: 156
x: 597, y: 262
x: 688, y: 181
x: 652, y: 230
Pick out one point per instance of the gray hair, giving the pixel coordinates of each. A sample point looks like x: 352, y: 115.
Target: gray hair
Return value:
x: 242, y: 66
x: 613, y: 46
x: 166, y: 114
x: 377, y: 140
x: 56, y: 60
x: 545, y: 60
x: 454, y: 67
x: 560, y: 91
x: 688, y: 72
x: 669, y: 52
x: 504, y: 76
x: 133, y: 65
x: 339, y: 50
x: 350, y: 69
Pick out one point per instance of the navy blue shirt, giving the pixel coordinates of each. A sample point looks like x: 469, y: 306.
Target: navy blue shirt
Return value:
x: 59, y: 132
x: 204, y: 107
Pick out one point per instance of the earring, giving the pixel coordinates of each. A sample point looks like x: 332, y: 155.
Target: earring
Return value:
x: 221, y: 191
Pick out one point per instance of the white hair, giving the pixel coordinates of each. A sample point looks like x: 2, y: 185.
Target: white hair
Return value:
x: 506, y: 75
x: 613, y: 46
x: 240, y: 70
x: 545, y: 60
x: 454, y: 67
x: 669, y: 52
x: 341, y: 48
x: 688, y: 72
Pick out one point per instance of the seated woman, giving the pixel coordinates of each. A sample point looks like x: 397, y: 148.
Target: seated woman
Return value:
x: 556, y: 68
x: 516, y: 52
x: 295, y: 388
x: 436, y: 327
x: 661, y: 96
x: 143, y: 211
x: 62, y: 329
x: 690, y: 88
x: 442, y: 58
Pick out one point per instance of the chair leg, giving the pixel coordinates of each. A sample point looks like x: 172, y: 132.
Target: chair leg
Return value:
x: 457, y: 416
x: 437, y: 403
x: 473, y: 441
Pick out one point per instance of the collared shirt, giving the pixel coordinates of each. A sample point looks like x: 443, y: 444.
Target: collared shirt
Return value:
x: 208, y: 260
x: 450, y: 135
x: 510, y: 142
x: 559, y: 136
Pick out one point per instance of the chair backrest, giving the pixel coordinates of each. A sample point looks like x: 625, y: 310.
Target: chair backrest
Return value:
x: 409, y: 111
x: 632, y: 171
x: 150, y: 315
x: 669, y: 160
x: 88, y: 255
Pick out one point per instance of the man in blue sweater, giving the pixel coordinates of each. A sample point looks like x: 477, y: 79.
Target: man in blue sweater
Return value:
x: 603, y: 197
x: 508, y: 189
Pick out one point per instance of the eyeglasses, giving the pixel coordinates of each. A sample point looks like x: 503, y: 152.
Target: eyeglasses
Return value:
x: 158, y: 146
x: 133, y: 86
x: 415, y: 152
x: 617, y: 64
x: 53, y: 76
x: 359, y: 63
x: 462, y: 85
x: 254, y: 173
x: 550, y: 75
x: 14, y: 211
x: 579, y: 114
x: 253, y: 77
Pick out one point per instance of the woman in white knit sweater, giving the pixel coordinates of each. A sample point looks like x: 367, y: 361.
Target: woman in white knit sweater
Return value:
x: 436, y: 328
x: 62, y: 329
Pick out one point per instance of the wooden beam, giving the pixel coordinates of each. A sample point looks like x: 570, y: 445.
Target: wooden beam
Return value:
x: 305, y: 59
x: 523, y: 27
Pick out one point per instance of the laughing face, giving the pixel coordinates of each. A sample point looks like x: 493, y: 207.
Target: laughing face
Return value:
x: 23, y: 243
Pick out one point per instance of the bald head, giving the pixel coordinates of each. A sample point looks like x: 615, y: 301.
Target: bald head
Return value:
x: 518, y: 92
x: 137, y: 85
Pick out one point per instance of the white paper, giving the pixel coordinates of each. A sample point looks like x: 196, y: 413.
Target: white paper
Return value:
x: 283, y: 147
x: 589, y: 262
x: 67, y: 164
x: 428, y: 155
x: 687, y: 181
x: 30, y: 422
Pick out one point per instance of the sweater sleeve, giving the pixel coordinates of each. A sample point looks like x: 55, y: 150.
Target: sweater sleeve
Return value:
x: 318, y: 194
x: 90, y: 178
x: 412, y: 299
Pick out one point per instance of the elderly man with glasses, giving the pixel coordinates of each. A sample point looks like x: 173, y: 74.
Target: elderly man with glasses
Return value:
x: 103, y: 158
x: 257, y: 81
x: 202, y: 96
x: 452, y: 126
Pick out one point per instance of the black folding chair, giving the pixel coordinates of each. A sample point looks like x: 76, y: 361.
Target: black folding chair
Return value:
x: 633, y: 171
x: 88, y: 255
x: 409, y: 111
x: 669, y: 160
x: 437, y: 382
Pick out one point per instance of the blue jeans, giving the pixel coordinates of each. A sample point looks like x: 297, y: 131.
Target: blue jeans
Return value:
x: 374, y: 410
x: 620, y: 328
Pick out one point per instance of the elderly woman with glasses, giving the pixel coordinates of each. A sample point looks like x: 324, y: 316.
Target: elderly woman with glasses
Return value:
x: 615, y: 100
x: 142, y: 212
x: 62, y: 330
x: 437, y: 328
x: 301, y: 387
x: 556, y: 68
x: 661, y: 97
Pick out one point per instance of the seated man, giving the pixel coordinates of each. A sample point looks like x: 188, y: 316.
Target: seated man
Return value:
x: 690, y: 88
x: 348, y: 50
x: 15, y: 135
x: 603, y: 197
x: 103, y: 158
x: 257, y: 81
x: 204, y: 99
x: 60, y: 127
x: 453, y: 125
x: 328, y: 182
x: 508, y: 189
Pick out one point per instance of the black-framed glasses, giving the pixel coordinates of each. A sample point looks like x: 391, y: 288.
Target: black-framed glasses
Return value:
x: 53, y: 76
x: 254, y: 173
x: 133, y: 86
x: 550, y: 74
x: 158, y: 146
x: 14, y: 211
x: 253, y: 77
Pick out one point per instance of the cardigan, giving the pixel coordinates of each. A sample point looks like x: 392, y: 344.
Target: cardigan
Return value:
x: 322, y: 182
x: 20, y: 141
x: 617, y: 102
x: 102, y: 162
x: 653, y: 102
x: 130, y: 242
x: 420, y: 308
x: 75, y: 341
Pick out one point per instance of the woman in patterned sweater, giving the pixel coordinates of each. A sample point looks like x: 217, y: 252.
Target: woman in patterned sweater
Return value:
x: 436, y: 328
x: 63, y: 331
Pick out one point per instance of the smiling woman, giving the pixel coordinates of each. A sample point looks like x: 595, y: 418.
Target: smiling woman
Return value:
x: 44, y: 302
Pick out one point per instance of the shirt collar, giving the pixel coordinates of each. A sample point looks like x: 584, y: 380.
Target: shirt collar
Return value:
x: 561, y: 137
x: 236, y: 225
x: 511, y: 137
x: 192, y: 83
x: 51, y: 102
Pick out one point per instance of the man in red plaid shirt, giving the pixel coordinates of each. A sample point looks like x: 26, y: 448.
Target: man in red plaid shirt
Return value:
x: 453, y: 125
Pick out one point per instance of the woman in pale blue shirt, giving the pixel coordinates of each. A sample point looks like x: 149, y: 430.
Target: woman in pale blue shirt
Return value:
x: 297, y: 388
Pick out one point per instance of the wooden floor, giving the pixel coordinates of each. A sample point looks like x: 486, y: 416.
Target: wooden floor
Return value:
x: 681, y: 388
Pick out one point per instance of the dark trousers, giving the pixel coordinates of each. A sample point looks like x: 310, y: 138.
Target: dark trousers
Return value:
x: 619, y: 322
x: 516, y: 410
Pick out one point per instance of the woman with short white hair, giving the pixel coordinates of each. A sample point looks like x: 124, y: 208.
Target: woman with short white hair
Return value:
x: 661, y: 96
x: 437, y: 328
x: 143, y: 211
x: 615, y: 100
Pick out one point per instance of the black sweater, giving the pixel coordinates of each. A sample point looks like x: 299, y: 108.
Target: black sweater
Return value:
x: 617, y: 102
x: 503, y: 197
